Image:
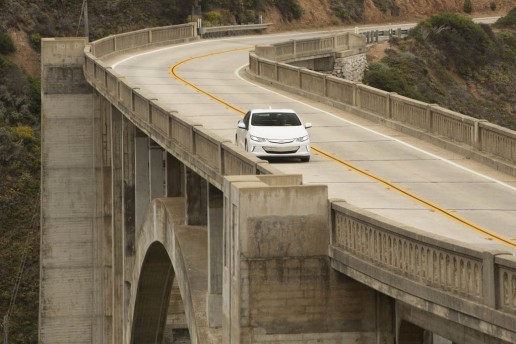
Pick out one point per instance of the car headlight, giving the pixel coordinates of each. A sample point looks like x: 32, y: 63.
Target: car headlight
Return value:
x: 302, y: 139
x: 257, y: 139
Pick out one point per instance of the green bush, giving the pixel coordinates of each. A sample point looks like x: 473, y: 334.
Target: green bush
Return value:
x: 35, y: 40
x: 508, y: 21
x: 211, y: 18
x: 290, y: 9
x: 342, y: 13
x: 348, y: 10
x: 468, y: 7
x: 380, y: 4
x: 465, y: 44
x: 382, y: 76
x: 6, y: 44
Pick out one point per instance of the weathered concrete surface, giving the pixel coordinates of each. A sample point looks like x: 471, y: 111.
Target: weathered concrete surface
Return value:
x: 186, y: 253
x: 66, y: 308
x: 278, y: 283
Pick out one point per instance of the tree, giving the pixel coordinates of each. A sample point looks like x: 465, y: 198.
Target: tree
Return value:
x: 468, y: 7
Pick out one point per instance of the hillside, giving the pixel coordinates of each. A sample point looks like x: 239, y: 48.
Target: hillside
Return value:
x: 22, y: 25
x: 451, y: 61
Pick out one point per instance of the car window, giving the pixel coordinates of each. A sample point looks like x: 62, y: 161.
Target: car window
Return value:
x: 275, y: 119
x: 246, y: 119
x: 289, y: 119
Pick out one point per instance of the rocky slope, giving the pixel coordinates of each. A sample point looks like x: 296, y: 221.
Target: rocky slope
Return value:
x: 322, y: 13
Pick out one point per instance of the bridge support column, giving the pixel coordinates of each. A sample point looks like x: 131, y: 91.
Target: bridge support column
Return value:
x: 174, y: 176
x: 117, y: 249
x: 195, y: 198
x: 128, y: 165
x: 67, y: 308
x: 278, y: 284
x: 157, y: 171
x: 149, y: 174
x: 215, y: 223
x: 142, y: 187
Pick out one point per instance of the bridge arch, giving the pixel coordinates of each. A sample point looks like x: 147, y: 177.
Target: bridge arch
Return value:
x: 154, y: 286
x: 158, y: 262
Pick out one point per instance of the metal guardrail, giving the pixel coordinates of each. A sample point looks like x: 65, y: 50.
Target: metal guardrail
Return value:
x: 374, y: 36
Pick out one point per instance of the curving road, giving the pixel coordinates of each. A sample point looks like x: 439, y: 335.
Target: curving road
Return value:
x: 367, y: 165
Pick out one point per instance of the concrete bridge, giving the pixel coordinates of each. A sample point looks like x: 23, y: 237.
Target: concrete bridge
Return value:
x: 156, y: 229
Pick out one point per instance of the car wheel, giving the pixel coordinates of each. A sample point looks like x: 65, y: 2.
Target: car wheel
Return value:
x: 305, y: 159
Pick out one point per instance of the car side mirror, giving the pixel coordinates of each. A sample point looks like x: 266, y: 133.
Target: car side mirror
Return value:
x: 241, y: 125
x: 308, y: 125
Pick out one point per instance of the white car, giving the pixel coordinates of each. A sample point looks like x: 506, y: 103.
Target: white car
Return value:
x: 274, y: 133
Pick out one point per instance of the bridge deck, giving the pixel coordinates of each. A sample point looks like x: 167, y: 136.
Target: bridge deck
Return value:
x: 479, y: 195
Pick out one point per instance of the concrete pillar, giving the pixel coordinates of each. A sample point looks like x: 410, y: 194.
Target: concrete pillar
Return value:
x: 277, y: 277
x: 68, y: 254
x: 141, y: 186
x: 157, y: 170
x: 105, y: 214
x: 174, y: 176
x: 128, y: 208
x: 128, y: 165
x: 215, y: 254
x: 195, y: 199
x: 117, y: 249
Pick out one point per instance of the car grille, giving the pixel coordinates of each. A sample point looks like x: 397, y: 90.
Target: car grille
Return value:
x: 281, y: 141
x: 281, y: 150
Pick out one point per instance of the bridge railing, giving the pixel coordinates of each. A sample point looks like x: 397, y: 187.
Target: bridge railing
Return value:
x: 373, y: 36
x: 213, y: 156
x: 497, y: 144
x: 143, y: 38
x: 310, y: 47
x: 428, y: 266
x: 227, y: 30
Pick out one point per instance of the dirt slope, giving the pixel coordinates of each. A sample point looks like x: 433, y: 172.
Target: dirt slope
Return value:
x: 319, y: 13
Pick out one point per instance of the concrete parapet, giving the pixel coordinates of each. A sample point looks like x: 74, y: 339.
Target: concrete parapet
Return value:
x: 143, y: 39
x: 426, y: 271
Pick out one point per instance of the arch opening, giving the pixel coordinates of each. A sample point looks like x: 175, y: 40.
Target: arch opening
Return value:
x: 153, y: 296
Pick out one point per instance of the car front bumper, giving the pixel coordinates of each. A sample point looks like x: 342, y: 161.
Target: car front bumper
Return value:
x: 274, y: 150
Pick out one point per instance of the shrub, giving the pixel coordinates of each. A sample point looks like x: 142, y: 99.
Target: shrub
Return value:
x: 290, y: 9
x: 382, y: 76
x: 465, y: 44
x: 468, y: 7
x: 35, y: 40
x: 24, y: 132
x: 508, y: 21
x: 492, y: 6
x: 211, y: 18
x: 6, y: 44
x: 342, y: 13
x: 380, y: 4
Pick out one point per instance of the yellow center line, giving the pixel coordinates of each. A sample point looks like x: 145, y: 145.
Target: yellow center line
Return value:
x: 173, y: 72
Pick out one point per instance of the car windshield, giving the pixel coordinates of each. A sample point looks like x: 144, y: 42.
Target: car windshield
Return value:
x: 275, y: 119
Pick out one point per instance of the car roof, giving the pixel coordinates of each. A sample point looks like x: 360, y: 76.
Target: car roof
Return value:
x: 271, y: 110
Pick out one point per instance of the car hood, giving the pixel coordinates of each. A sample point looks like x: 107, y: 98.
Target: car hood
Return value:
x: 279, y: 133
